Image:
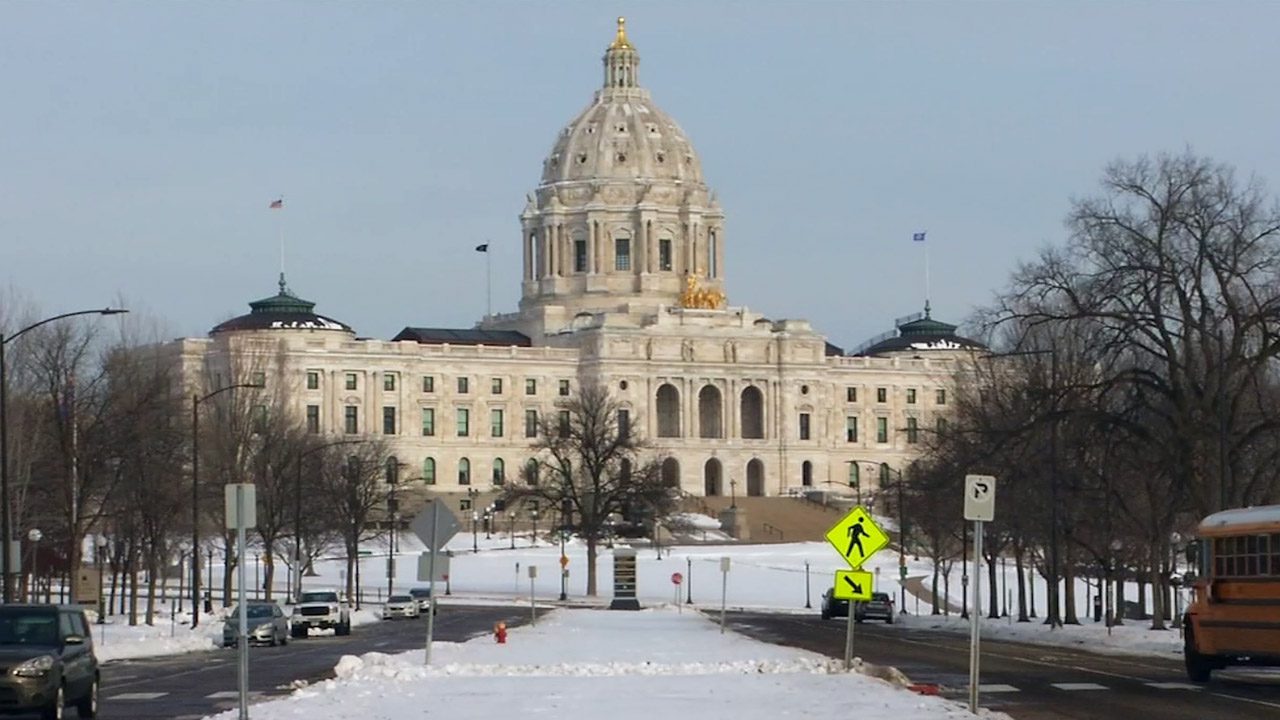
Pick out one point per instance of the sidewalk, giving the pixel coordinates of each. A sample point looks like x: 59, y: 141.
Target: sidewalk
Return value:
x: 597, y: 663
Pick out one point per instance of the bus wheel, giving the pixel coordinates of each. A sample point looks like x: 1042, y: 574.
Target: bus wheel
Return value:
x: 1199, y: 666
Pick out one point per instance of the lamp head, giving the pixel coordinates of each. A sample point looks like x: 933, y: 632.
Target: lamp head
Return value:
x: 112, y: 311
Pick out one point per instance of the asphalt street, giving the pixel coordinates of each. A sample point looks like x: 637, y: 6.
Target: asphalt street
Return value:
x: 1033, y: 682
x: 179, y: 687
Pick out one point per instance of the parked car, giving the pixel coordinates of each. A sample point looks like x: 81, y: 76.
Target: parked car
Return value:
x: 267, y: 625
x: 423, y: 596
x: 403, y: 606
x: 320, y: 609
x: 48, y: 651
x: 879, y: 607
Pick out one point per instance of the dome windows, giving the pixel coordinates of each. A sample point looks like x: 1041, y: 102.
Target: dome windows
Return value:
x: 582, y: 158
x: 661, y: 158
x: 622, y: 157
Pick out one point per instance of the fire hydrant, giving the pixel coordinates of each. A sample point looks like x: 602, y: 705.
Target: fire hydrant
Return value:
x: 500, y: 632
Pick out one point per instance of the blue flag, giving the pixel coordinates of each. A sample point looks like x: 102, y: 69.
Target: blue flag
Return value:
x: 917, y: 237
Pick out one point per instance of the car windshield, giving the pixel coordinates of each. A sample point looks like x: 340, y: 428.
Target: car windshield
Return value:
x: 880, y: 597
x: 28, y: 628
x: 319, y: 597
x: 256, y: 612
x: 420, y: 592
x: 399, y: 598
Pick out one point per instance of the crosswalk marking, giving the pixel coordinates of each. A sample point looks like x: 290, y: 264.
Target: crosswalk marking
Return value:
x: 1079, y: 686
x: 229, y: 694
x: 138, y: 696
x: 997, y: 688
x: 1173, y: 686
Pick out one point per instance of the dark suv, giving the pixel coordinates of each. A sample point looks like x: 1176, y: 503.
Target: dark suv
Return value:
x: 879, y: 607
x: 47, y: 661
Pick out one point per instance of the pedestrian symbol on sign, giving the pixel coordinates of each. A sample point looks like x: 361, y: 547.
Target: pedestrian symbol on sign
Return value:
x: 856, y: 533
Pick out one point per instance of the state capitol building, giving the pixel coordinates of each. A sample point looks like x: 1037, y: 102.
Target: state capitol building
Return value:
x: 624, y: 247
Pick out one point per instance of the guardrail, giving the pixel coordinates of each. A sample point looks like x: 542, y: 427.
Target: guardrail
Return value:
x: 771, y: 530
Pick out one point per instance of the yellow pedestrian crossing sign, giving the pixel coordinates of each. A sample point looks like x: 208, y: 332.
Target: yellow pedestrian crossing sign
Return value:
x: 857, y: 537
x: 853, y: 585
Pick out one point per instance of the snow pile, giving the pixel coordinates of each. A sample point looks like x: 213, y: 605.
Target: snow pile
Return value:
x: 1135, y: 637
x: 597, y: 663
x: 692, y: 521
x: 116, y: 640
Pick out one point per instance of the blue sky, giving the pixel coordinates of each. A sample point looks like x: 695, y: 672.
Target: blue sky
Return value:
x: 142, y: 142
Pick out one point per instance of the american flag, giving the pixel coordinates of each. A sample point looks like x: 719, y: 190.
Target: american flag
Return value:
x: 917, y: 237
x: 276, y: 204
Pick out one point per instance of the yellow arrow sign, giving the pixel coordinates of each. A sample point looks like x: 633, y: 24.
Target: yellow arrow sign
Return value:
x: 853, y: 585
x: 857, y: 537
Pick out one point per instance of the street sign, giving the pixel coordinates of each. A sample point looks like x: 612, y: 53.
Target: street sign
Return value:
x: 446, y: 526
x: 853, y: 585
x: 979, y: 497
x: 564, y: 561
x: 533, y: 571
x: 441, y: 568
x: 857, y: 537
x: 676, y: 578
x: 247, y: 505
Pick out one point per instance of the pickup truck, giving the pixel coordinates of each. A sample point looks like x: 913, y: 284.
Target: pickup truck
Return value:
x: 322, y: 610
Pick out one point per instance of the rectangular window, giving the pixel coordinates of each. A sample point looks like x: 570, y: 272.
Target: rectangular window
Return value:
x: 464, y: 386
x: 530, y: 386
x: 882, y: 395
x: 351, y: 381
x: 913, y: 430
x: 388, y: 421
x: 804, y: 426
x: 851, y: 429
x: 580, y: 256
x: 259, y: 419
x: 530, y: 423
x: 495, y: 423
x: 313, y: 419
x: 911, y: 396
x: 624, y: 423
x: 851, y: 394
x: 941, y: 397
x: 942, y: 425
x: 464, y: 422
x: 429, y: 471
x: 351, y: 420
x: 389, y: 382
x: 313, y: 381
x: 258, y: 378
x: 428, y: 383
x: 664, y: 254
x: 882, y: 430
x: 495, y: 386
x: 428, y: 422
x: 564, y: 423
x: 622, y: 254
x: 564, y: 388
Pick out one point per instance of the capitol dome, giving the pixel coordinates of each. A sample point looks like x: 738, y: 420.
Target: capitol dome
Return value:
x: 621, y: 220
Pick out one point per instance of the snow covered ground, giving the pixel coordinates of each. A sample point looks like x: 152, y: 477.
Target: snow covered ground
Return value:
x: 597, y: 663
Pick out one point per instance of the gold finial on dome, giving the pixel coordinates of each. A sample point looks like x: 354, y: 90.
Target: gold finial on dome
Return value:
x: 621, y: 40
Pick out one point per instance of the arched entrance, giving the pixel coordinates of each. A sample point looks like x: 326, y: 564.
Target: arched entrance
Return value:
x: 710, y: 414
x: 755, y: 478
x: 713, y: 478
x: 806, y: 474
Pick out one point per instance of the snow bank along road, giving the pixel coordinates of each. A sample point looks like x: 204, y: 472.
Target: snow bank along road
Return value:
x: 200, y: 684
x: 1033, y: 682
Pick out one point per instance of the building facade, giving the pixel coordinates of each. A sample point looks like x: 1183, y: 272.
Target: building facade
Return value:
x: 623, y: 284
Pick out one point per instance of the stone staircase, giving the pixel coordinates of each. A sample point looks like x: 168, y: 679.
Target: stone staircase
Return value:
x: 773, y: 519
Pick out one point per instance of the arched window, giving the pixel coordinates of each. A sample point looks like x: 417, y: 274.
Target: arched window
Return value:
x: 709, y: 412
x: 392, y: 470
x: 624, y: 470
x: 429, y: 471
x: 499, y: 472
x: 712, y: 269
x: 752, y: 412
x: 464, y: 472
x: 755, y: 478
x: 671, y: 472
x: 855, y: 477
x: 884, y: 474
x: 531, y: 472
x: 353, y: 467
x: 806, y: 474
x: 712, y: 478
x: 668, y: 411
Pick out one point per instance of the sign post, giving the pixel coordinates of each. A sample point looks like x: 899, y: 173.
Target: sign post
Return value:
x: 856, y: 537
x: 724, y: 588
x: 533, y: 604
x: 979, y: 506
x: 434, y: 526
x: 676, y: 580
x: 241, y: 512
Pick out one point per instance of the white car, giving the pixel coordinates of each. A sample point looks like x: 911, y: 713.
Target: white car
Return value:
x: 400, y: 606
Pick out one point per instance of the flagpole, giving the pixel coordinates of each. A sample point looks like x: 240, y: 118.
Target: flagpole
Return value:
x: 488, y: 282
x: 926, y: 273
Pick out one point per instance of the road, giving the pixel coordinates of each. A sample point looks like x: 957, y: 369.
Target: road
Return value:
x: 1033, y: 682
x: 178, y: 687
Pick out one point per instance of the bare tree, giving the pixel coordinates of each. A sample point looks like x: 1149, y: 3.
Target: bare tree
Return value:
x: 355, y: 494
x: 587, y: 464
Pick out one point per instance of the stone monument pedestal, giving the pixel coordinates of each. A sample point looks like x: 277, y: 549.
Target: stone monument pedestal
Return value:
x: 733, y: 520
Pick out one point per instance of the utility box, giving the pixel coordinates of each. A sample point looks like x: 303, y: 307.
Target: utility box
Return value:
x: 624, y: 580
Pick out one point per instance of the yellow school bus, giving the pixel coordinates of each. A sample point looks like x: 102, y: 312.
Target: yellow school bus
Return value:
x: 1234, y: 616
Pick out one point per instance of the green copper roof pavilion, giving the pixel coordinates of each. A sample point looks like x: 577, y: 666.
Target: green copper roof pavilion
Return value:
x: 282, y: 311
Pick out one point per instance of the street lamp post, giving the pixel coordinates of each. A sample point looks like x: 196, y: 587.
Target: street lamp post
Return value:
x: 533, y: 514
x: 475, y: 540
x: 183, y: 549
x: 488, y: 523
x: 733, y: 493
x: 196, y: 399
x: 100, y: 549
x: 34, y: 535
x: 688, y: 585
x: 511, y: 519
x: 5, y: 501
